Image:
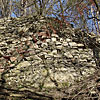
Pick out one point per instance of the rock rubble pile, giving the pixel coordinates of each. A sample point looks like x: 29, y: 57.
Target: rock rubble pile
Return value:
x: 33, y: 56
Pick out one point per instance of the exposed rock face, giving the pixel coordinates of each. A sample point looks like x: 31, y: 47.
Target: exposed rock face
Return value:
x: 33, y: 57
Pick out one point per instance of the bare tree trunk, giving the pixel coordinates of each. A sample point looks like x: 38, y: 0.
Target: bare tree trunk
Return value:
x: 41, y: 7
x: 25, y: 9
x: 61, y: 7
x: 10, y: 8
x: 22, y: 5
x: 4, y: 8
x: 30, y: 10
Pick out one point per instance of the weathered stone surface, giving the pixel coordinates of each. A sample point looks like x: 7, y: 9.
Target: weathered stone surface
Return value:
x: 43, y: 62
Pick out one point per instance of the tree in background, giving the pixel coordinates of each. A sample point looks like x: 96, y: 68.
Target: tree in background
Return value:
x: 84, y: 14
x: 4, y: 5
x: 95, y: 11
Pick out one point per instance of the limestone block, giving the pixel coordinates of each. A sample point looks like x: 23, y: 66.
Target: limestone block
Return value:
x: 54, y: 35
x: 82, y: 60
x: 23, y: 39
x: 1, y: 20
x: 44, y: 44
x: 1, y: 28
x: 74, y: 51
x: 80, y: 45
x: 23, y: 64
x: 84, y: 56
x: 3, y: 43
x: 57, y: 56
x: 68, y: 55
x: 54, y: 51
x: 59, y: 47
x: 48, y: 40
x: 29, y: 38
x: 53, y: 39
x: 65, y: 44
x: 73, y: 44
x: 68, y: 40
x: 61, y: 39
x: 42, y: 20
x: 58, y: 43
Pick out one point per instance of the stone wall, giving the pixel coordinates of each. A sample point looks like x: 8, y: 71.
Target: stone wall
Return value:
x: 46, y: 61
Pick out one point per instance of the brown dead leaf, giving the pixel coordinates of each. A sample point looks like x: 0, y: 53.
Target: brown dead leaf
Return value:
x: 13, y: 58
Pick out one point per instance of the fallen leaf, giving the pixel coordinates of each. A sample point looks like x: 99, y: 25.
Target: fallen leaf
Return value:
x: 13, y: 58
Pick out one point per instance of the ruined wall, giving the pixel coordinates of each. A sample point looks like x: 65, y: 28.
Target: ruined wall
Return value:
x: 51, y: 61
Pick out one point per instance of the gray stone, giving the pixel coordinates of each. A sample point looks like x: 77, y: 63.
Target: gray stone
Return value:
x: 68, y: 40
x: 59, y: 47
x: 73, y: 44
x: 2, y: 28
x: 80, y: 45
x: 68, y: 55
x: 65, y: 44
x: 53, y: 39
x: 55, y: 35
x: 48, y: 40
x: 23, y: 64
